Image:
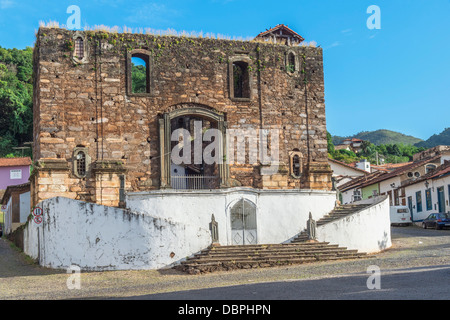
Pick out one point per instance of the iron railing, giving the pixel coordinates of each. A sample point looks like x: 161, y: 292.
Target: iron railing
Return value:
x: 194, y: 182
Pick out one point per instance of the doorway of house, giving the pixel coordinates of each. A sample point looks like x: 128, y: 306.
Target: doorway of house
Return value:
x: 441, y: 199
x: 410, y: 206
x: 243, y: 223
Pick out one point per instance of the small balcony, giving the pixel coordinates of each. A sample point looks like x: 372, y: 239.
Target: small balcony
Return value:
x: 194, y: 182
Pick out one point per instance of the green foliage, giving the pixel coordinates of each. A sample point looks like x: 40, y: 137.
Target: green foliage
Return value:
x: 392, y: 153
x: 380, y: 137
x: 436, y: 140
x: 138, y: 79
x: 16, y: 106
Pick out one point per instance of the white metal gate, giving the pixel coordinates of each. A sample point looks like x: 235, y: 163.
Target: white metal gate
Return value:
x: 243, y: 223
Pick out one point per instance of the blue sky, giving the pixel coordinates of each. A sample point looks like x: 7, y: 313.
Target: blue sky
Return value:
x: 396, y: 78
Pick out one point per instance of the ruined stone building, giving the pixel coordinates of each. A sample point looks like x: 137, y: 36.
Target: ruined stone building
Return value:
x: 96, y: 138
x: 149, y: 149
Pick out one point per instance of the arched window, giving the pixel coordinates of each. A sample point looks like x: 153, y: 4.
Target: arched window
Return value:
x: 81, y: 161
x: 139, y: 70
x: 138, y: 74
x: 296, y: 163
x: 430, y: 167
x: 79, y: 48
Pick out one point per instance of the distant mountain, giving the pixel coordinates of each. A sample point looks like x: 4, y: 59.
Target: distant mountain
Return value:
x: 442, y: 138
x: 381, y: 137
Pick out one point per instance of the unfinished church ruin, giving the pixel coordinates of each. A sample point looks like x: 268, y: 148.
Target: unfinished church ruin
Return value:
x: 113, y: 110
x: 97, y: 137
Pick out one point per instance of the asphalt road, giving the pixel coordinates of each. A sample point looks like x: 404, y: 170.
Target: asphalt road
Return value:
x: 404, y: 284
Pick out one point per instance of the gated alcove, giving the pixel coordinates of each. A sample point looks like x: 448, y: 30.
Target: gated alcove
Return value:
x: 243, y: 223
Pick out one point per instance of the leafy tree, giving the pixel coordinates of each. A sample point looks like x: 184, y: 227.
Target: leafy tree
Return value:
x: 138, y: 79
x: 330, y: 144
x: 16, y: 91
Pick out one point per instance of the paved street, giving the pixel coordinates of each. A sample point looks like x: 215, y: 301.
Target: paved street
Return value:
x: 417, y: 267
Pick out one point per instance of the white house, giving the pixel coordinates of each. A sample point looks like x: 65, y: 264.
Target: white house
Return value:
x: 343, y: 173
x: 430, y: 193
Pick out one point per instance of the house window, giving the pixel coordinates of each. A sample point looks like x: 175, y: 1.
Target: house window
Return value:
x: 430, y: 167
x: 15, y: 174
x: 241, y: 83
x: 139, y: 70
x: 357, y: 195
x: 81, y: 161
x: 79, y: 48
x: 419, y: 201
x: 428, y: 199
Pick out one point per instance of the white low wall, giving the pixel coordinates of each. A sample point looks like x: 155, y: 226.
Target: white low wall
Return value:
x: 161, y: 228
x: 281, y: 214
x: 366, y: 231
x: 96, y: 237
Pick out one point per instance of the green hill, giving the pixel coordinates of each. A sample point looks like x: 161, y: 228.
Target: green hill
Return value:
x: 442, y: 138
x: 380, y: 137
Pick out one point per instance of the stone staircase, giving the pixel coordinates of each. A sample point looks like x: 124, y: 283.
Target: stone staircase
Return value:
x: 300, y: 250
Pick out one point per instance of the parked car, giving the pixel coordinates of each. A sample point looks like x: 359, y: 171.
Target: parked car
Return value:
x: 437, y: 221
x: 400, y: 215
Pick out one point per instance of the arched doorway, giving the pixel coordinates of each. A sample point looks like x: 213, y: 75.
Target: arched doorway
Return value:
x: 243, y: 223
x: 192, y: 175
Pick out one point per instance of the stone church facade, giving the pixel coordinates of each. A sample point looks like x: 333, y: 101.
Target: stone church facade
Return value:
x: 97, y: 139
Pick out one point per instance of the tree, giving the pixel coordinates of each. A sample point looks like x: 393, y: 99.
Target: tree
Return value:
x: 16, y: 91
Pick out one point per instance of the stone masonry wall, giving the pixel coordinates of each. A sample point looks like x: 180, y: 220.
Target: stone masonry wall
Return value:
x: 86, y: 103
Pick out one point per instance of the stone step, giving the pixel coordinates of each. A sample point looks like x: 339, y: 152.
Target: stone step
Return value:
x: 278, y: 245
x: 197, y: 268
x: 268, y: 252
x: 286, y: 246
x: 200, y: 260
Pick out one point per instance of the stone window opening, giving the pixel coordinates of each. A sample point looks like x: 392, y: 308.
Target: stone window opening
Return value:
x: 81, y: 161
x: 139, y: 72
x: 296, y: 163
x: 291, y: 63
x: 240, y: 78
x: 79, y: 48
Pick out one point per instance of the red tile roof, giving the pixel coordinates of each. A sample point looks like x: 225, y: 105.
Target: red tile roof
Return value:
x: 282, y: 26
x: 13, y: 162
x: 401, y: 170
x: 440, y: 171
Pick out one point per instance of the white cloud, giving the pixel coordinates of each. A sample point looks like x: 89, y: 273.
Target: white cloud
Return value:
x: 4, y: 4
x: 152, y: 13
x: 334, y: 44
